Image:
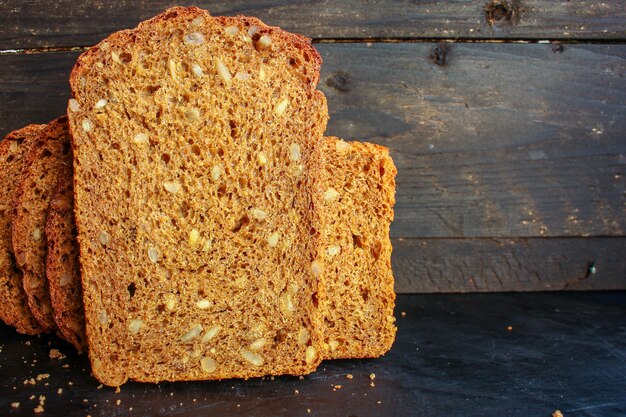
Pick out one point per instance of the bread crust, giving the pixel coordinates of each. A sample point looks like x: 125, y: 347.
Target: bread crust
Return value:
x: 15, y: 311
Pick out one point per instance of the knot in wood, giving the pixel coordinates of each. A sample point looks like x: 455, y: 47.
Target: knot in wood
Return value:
x: 438, y: 55
x: 501, y: 12
x: 339, y: 81
x: 557, y: 48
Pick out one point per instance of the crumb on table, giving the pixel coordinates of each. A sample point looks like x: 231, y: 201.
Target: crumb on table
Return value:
x: 56, y: 354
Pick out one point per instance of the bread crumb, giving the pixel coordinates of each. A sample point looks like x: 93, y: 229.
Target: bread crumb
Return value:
x: 60, y: 391
x: 301, y: 377
x: 509, y: 328
x: 15, y: 405
x: 372, y: 376
x: 335, y: 387
x: 100, y: 386
x: 379, y: 402
x: 32, y: 397
x: 38, y: 409
x: 296, y: 392
x: 349, y: 376
x: 118, y: 402
x: 42, y: 376
x: 403, y: 314
x: 56, y: 354
x: 70, y: 383
x: 65, y: 365
x: 27, y: 343
x: 117, y: 390
x: 372, y: 384
x: 308, y: 410
x: 557, y: 413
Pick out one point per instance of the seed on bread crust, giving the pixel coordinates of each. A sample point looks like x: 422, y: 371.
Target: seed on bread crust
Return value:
x: 253, y: 358
x: 272, y: 240
x: 87, y: 125
x: 223, y: 71
x: 281, y: 106
x: 134, y: 326
x: 195, y: 38
x: 192, y: 333
x: 171, y: 186
x: 73, y: 105
x: 330, y: 194
x: 294, y: 152
x: 210, y: 333
x: 208, y: 364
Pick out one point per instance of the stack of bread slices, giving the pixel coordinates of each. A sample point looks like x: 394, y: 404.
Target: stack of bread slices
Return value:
x: 188, y: 219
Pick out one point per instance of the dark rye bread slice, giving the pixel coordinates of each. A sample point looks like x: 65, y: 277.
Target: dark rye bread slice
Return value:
x: 358, y: 201
x: 15, y: 310
x: 62, y: 267
x: 197, y: 158
x: 37, y: 180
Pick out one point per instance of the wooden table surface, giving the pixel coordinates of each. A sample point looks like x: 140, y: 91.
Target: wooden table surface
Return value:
x: 455, y: 355
x: 506, y: 119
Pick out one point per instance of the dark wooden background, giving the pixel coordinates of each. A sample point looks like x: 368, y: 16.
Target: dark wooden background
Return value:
x: 506, y: 119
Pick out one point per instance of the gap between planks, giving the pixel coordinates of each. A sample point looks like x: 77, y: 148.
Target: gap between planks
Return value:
x: 460, y: 40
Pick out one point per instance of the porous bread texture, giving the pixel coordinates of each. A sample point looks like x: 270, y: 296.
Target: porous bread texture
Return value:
x: 62, y: 263
x: 15, y: 310
x: 34, y: 191
x: 196, y: 175
x: 358, y: 204
x: 342, y: 305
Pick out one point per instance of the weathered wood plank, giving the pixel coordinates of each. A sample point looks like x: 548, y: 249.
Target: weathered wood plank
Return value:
x: 486, y: 265
x: 501, y: 141
x: 33, y: 23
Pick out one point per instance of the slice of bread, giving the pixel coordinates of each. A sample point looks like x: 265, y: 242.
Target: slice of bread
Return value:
x: 197, y: 158
x: 346, y: 307
x: 34, y: 192
x: 359, y: 198
x: 62, y: 267
x: 15, y: 310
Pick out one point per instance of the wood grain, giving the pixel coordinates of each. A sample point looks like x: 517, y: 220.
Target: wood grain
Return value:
x: 482, y: 265
x: 63, y: 23
x: 501, y: 141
